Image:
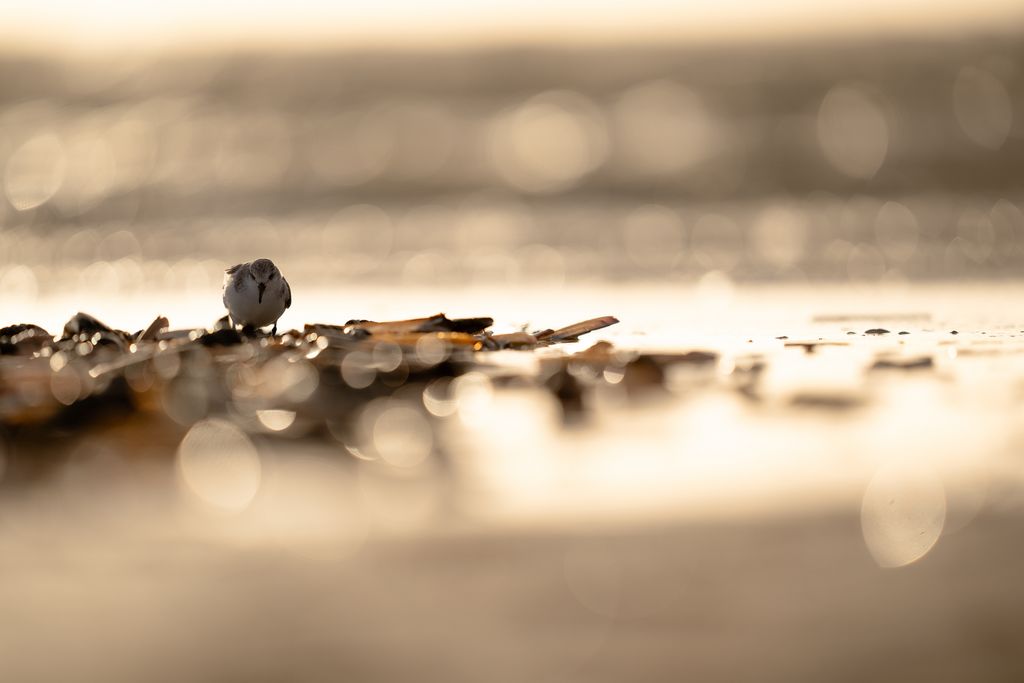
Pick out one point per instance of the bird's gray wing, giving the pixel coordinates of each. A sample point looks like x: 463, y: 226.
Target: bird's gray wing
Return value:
x: 287, y: 293
x: 229, y: 277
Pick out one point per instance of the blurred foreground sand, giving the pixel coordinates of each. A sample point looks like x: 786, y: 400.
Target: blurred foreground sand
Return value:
x: 787, y: 599
x: 844, y: 523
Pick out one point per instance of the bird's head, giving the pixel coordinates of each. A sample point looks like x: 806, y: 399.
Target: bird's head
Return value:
x: 263, y: 271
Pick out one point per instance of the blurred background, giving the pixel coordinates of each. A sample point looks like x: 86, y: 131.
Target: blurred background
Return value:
x: 748, y: 186
x: 541, y: 143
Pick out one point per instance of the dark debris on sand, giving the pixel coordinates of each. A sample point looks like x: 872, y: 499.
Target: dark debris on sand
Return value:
x: 321, y: 373
x: 921, y: 363
x: 325, y: 374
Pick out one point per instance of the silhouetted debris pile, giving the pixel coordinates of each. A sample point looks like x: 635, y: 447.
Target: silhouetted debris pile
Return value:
x: 23, y: 339
x: 316, y: 382
x: 322, y: 372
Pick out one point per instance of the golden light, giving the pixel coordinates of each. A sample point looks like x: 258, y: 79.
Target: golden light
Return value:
x: 95, y: 26
x: 983, y: 107
x: 853, y: 131
x: 35, y: 171
x: 903, y: 513
x: 219, y: 465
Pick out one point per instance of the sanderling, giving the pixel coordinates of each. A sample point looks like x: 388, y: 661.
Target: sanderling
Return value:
x: 256, y: 294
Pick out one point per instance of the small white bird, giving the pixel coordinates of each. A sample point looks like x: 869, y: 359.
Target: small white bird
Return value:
x: 256, y: 294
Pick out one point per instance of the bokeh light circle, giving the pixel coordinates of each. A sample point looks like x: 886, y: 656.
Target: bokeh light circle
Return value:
x: 219, y: 464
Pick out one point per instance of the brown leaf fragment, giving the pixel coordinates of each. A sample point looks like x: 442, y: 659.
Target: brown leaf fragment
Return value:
x: 393, y: 327
x: 323, y: 328
x: 573, y: 332
x: 409, y: 339
x: 83, y: 323
x: 160, y: 324
x: 435, y: 323
x: 439, y: 323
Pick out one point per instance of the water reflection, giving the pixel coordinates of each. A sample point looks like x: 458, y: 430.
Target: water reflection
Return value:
x: 35, y: 171
x: 549, y: 143
x: 653, y: 237
x: 662, y: 128
x: 896, y: 231
x: 983, y: 107
x: 853, y: 131
x: 903, y: 513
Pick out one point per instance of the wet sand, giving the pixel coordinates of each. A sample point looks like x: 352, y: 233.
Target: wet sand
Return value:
x: 789, y: 599
x: 785, y: 508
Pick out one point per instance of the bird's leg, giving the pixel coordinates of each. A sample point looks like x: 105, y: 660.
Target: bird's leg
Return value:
x: 248, y: 330
x: 273, y: 332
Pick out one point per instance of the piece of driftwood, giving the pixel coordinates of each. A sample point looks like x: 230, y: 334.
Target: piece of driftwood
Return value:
x: 83, y: 323
x: 575, y: 331
x: 435, y: 323
x: 151, y: 333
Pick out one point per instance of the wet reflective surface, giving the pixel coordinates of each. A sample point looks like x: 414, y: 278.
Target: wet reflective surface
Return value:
x: 797, y: 456
x: 790, y: 476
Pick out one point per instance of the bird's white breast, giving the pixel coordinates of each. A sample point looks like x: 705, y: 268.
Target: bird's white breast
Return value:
x: 245, y: 307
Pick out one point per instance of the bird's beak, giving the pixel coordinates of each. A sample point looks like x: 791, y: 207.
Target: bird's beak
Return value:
x: 262, y: 287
